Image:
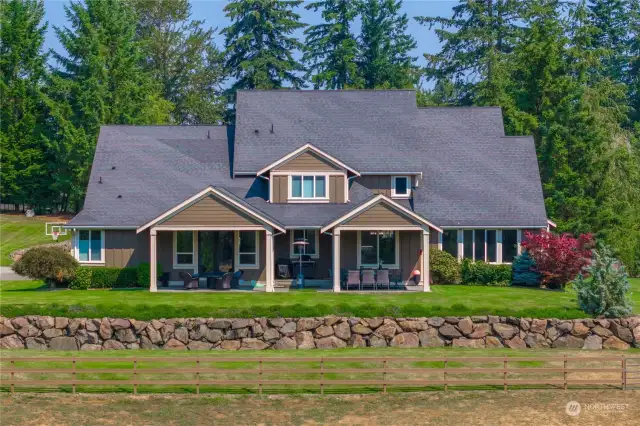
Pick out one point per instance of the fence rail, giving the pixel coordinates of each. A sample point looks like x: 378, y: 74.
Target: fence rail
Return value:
x: 321, y: 372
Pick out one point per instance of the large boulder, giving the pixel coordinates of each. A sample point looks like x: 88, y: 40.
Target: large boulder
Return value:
x: 306, y: 324
x: 435, y: 321
x: 253, y: 343
x: 601, y: 331
x: 36, y: 343
x: 480, y: 330
x: 324, y: 331
x: 11, y: 341
x: 377, y: 341
x: 285, y: 343
x: 90, y: 347
x: 120, y: 323
x: 289, y: 329
x: 330, y: 343
x: 505, y: 331
x: 342, y: 330
x: 492, y: 342
x: 304, y: 339
x: 515, y: 343
x: 126, y: 335
x: 621, y: 332
x: 63, y: 344
x: 277, y: 322
x: 468, y: 343
x: 405, y: 340
x: 449, y: 331
x: 219, y: 324
x: 636, y: 335
x: 357, y: 341
x: 174, y: 344
x: 61, y: 322
x: 50, y: 333
x: 213, y: 335
x: 361, y: 329
x: 30, y: 331
x: 182, y: 334
x: 535, y: 340
x: 413, y: 325
x: 593, y: 342
x: 112, y: 345
x: 580, y: 329
x: 430, y: 338
x: 230, y: 345
x: 568, y: 342
x: 387, y: 330
x: 374, y: 322
x: 271, y: 334
x: 6, y: 329
x: 614, y: 343
x: 105, y: 331
x: 465, y: 325
x: 45, y: 322
x: 154, y: 335
x: 240, y: 323
x: 538, y: 326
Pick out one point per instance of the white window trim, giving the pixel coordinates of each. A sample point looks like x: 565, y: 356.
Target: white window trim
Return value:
x: 315, y: 199
x: 393, y: 187
x: 76, y: 248
x: 194, y: 252
x: 499, y: 259
x: 293, y: 255
x: 236, y: 250
x: 396, y: 265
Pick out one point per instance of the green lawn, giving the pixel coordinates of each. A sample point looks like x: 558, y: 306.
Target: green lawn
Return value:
x: 19, y: 231
x: 32, y: 297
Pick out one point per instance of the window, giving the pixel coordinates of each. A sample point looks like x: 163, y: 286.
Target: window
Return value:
x: 479, y: 240
x: 308, y: 187
x: 308, y: 235
x: 468, y: 244
x: 247, y: 249
x: 183, y: 249
x: 450, y: 242
x: 90, y: 246
x: 509, y: 245
x: 378, y: 248
x: 401, y: 186
x: 492, y: 243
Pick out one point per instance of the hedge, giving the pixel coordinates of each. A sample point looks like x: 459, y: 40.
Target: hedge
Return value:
x: 481, y: 273
x: 102, y: 277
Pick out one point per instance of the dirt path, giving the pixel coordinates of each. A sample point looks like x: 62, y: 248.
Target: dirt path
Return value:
x: 543, y: 407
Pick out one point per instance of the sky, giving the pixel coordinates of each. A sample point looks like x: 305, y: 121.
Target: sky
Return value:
x: 211, y: 12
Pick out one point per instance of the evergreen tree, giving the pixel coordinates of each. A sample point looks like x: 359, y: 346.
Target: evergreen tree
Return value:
x: 101, y: 81
x: 182, y: 56
x: 634, y: 66
x: 476, y: 45
x: 23, y: 175
x: 384, y: 45
x: 611, y: 19
x: 259, y: 44
x: 331, y: 48
x: 523, y: 271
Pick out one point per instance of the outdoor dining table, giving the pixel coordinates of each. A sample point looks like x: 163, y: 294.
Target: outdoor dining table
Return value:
x: 211, y: 276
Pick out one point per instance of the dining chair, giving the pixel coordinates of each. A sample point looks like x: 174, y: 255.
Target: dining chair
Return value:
x: 382, y: 278
x: 353, y: 279
x: 190, y: 283
x: 368, y: 278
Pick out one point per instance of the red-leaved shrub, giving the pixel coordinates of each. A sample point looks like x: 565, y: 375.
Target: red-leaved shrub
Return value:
x: 559, y: 258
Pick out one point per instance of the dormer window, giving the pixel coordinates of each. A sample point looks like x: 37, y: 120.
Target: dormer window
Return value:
x: 401, y: 187
x: 308, y: 187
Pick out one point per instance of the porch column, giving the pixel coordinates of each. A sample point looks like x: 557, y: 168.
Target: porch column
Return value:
x: 153, y: 262
x: 336, y: 260
x: 425, y: 261
x: 269, y: 259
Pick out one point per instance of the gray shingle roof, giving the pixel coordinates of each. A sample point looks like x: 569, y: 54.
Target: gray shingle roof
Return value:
x: 472, y: 174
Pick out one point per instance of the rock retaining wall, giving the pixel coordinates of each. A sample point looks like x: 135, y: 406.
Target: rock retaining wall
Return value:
x: 43, y: 332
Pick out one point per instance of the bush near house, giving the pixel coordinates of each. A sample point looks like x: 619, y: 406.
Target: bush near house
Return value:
x: 481, y: 273
x: 523, y: 272
x: 559, y: 258
x: 52, y: 264
x: 99, y: 277
x: 445, y: 268
x: 144, y: 273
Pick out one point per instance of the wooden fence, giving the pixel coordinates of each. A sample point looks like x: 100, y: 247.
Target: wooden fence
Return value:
x: 258, y: 373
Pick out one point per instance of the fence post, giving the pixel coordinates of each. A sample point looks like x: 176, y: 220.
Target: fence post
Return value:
x: 624, y: 373
x: 446, y: 384
x: 565, y: 372
x: 322, y: 376
x: 135, y: 385
x: 73, y: 374
x: 12, y: 376
x: 384, y: 375
x: 504, y: 375
x: 197, y: 376
x: 260, y: 376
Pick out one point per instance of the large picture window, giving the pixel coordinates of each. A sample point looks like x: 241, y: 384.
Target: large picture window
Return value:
x: 378, y: 249
x: 308, y: 187
x: 183, y: 249
x: 483, y: 244
x: 90, y: 246
x: 509, y: 245
x: 450, y: 242
x: 247, y: 249
x: 310, y: 236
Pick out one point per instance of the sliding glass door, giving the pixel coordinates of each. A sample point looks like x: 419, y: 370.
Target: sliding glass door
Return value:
x: 215, y: 251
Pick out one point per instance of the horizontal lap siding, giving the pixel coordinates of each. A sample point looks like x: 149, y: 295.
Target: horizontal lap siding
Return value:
x: 381, y: 215
x: 210, y: 212
x: 307, y: 162
x: 125, y: 249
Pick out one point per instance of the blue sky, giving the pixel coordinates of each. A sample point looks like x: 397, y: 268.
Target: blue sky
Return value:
x: 210, y: 11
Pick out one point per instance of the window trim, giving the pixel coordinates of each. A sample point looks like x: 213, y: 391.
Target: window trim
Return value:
x: 293, y: 255
x: 236, y: 250
x: 499, y: 243
x: 194, y: 252
x: 396, y: 265
x: 314, y: 199
x: 393, y: 187
x: 76, y: 247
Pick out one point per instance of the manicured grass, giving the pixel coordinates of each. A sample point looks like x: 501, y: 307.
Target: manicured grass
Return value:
x: 19, y: 231
x: 32, y: 297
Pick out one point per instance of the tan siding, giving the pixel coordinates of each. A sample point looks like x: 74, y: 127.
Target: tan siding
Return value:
x: 307, y: 162
x: 377, y: 184
x: 410, y: 258
x: 125, y: 249
x: 336, y: 189
x: 280, y: 189
x: 381, y: 215
x: 210, y: 212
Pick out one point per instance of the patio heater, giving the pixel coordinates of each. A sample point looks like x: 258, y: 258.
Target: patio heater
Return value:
x: 300, y: 277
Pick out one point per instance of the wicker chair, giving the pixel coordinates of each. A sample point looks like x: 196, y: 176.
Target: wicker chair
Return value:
x: 224, y: 283
x: 190, y: 283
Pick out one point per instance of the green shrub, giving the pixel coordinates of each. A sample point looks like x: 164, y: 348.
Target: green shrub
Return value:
x: 144, y: 273
x: 523, y: 271
x: 104, y: 277
x: 444, y: 267
x: 606, y: 291
x: 128, y: 277
x: 82, y: 280
x: 480, y: 273
x: 51, y: 264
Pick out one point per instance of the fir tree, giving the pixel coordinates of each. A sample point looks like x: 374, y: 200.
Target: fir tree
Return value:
x: 384, y: 45
x: 331, y: 48
x: 259, y: 45
x: 611, y: 19
x: 23, y: 175
x: 182, y: 56
x: 523, y: 271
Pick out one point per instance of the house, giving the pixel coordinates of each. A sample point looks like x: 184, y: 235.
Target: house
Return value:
x: 365, y: 178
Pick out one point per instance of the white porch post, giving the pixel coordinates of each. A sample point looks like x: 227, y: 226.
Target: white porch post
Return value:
x: 336, y: 260
x: 425, y: 261
x: 269, y: 259
x: 153, y: 263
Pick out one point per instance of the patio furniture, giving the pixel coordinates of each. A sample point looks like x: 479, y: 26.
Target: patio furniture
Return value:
x: 190, y: 283
x: 235, y: 278
x: 164, y: 279
x: 353, y: 279
x: 283, y: 271
x: 368, y: 279
x: 382, y: 278
x: 395, y: 277
x: 225, y: 282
